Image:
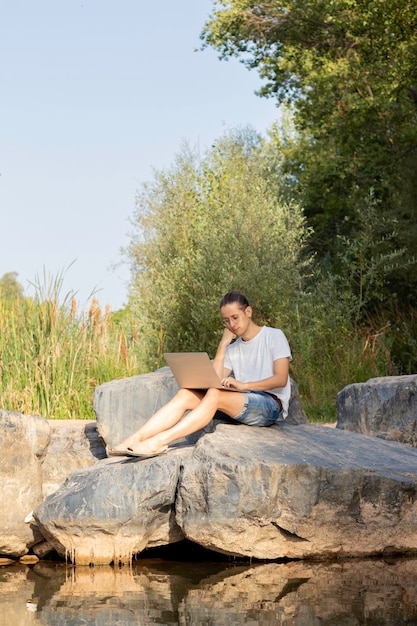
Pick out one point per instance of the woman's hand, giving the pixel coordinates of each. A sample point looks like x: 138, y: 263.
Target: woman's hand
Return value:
x: 227, y: 337
x: 218, y: 362
x: 232, y: 383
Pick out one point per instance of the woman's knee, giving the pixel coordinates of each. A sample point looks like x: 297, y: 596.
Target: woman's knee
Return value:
x: 189, y: 397
x: 213, y: 395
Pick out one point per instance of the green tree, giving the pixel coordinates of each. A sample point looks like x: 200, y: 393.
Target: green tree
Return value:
x: 227, y: 221
x: 349, y: 70
x: 207, y: 226
x: 10, y: 288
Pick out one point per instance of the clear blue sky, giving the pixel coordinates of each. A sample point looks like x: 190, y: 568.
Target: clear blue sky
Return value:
x: 95, y: 94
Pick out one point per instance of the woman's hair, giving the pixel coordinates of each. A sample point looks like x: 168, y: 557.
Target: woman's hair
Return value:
x: 234, y: 297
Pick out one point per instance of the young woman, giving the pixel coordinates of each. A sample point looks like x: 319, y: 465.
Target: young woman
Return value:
x: 257, y: 363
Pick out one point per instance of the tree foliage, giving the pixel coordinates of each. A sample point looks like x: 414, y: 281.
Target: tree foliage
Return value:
x: 226, y: 221
x: 10, y: 288
x: 349, y: 70
x: 206, y: 226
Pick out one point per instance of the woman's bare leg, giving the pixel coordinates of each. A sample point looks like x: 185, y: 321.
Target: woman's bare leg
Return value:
x: 229, y: 402
x: 166, y: 417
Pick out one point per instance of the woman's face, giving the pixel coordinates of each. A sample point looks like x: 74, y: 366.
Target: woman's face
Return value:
x: 236, y: 318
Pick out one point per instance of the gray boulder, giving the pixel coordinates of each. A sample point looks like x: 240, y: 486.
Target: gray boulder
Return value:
x: 296, y: 413
x: 122, y: 406
x: 299, y: 492
x: 23, y: 443
x: 382, y: 407
x: 37, y: 456
x: 114, y: 509
x: 295, y: 491
x: 286, y: 491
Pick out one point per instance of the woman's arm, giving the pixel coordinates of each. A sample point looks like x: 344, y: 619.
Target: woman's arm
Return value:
x: 218, y: 362
x: 279, y: 378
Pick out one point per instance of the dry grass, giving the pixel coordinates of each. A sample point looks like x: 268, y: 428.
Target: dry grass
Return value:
x: 53, y: 357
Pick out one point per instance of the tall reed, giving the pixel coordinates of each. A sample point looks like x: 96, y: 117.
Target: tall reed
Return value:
x: 52, y: 356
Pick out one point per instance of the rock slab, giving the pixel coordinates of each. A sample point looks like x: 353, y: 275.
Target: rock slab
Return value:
x: 23, y: 444
x: 122, y: 406
x: 299, y: 492
x: 37, y: 456
x: 115, y: 508
x: 294, y: 491
x: 383, y: 407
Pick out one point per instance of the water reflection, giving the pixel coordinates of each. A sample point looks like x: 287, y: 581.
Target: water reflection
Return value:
x: 349, y: 593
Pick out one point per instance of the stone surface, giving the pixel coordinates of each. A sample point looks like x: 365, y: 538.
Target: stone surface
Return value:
x: 123, y: 406
x: 382, y: 407
x: 114, y: 509
x: 93, y: 517
x: 296, y: 413
x: 23, y: 443
x: 291, y: 490
x: 286, y: 491
x: 37, y: 456
x: 299, y: 492
x: 74, y: 445
x: 29, y: 559
x: 43, y: 549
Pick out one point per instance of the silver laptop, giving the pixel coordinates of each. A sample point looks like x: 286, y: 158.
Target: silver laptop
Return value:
x: 194, y: 370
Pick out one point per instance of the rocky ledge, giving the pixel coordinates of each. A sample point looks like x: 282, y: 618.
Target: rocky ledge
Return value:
x: 294, y: 490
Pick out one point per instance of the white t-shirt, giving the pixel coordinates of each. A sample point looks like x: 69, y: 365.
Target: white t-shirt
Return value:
x: 254, y: 360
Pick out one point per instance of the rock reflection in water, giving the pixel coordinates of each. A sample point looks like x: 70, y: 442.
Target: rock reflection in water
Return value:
x: 372, y: 592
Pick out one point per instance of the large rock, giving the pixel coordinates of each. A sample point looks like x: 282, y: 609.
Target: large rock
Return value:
x: 382, y: 407
x: 114, y: 509
x: 304, y: 491
x: 23, y: 443
x: 37, y: 456
x: 284, y: 491
x: 297, y: 491
x: 122, y: 406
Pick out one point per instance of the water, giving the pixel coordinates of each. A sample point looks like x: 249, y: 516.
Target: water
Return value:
x: 373, y: 592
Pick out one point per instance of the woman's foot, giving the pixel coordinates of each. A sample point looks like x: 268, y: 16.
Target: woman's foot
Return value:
x: 129, y: 442
x: 142, y: 449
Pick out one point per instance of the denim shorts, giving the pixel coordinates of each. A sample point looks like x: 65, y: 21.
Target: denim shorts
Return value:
x: 260, y: 409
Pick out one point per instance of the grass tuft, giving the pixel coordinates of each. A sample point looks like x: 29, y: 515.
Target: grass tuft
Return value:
x: 53, y: 356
